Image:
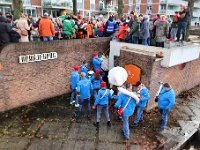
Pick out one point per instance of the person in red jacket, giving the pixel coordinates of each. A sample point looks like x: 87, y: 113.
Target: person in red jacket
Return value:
x: 46, y: 28
x: 174, y: 26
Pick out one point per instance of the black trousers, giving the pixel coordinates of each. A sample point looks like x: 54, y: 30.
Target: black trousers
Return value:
x: 160, y: 44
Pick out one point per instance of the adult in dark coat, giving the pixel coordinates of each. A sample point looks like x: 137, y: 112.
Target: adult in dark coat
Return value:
x: 4, y: 31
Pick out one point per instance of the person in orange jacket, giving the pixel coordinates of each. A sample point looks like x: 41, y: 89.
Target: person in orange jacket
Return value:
x: 89, y: 28
x: 46, y: 28
x: 121, y: 35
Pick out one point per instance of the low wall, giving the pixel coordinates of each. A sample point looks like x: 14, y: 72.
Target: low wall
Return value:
x: 22, y: 84
x: 195, y: 32
x: 152, y: 72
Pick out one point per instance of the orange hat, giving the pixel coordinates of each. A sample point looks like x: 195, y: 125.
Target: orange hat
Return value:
x: 76, y: 68
x: 98, y: 71
x: 103, y: 84
x: 95, y: 54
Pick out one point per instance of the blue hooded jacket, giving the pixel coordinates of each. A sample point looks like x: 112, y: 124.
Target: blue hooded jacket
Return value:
x: 122, y: 100
x: 85, y: 88
x: 103, y: 97
x: 96, y: 83
x: 74, y: 79
x: 166, y: 99
x: 84, y: 69
x: 144, y: 97
x: 96, y: 63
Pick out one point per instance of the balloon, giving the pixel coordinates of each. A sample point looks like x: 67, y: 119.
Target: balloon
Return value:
x: 117, y: 76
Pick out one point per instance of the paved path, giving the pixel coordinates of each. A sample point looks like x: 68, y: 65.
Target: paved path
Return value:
x: 51, y: 126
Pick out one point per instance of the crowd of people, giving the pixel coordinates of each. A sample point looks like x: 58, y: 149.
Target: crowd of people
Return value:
x: 132, y: 28
x: 88, y: 84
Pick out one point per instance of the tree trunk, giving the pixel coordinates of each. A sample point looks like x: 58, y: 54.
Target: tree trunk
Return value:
x: 75, y: 7
x: 18, y: 8
x: 120, y: 8
x: 191, y: 7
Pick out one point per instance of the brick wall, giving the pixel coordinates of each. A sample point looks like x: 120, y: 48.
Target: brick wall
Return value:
x: 152, y: 73
x: 36, y: 2
x: 142, y: 61
x: 155, y: 8
x: 87, y: 4
x: 22, y: 84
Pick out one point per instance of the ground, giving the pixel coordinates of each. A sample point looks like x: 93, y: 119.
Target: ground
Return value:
x: 51, y: 125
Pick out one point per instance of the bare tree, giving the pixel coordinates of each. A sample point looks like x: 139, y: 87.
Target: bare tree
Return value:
x: 120, y: 8
x: 18, y: 8
x: 74, y: 7
x: 191, y: 7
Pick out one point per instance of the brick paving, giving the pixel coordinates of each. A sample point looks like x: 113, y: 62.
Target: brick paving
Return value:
x: 51, y: 125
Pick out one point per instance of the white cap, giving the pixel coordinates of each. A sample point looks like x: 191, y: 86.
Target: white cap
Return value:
x: 46, y: 14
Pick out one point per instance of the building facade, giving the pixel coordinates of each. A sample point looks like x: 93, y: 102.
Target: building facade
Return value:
x: 95, y: 7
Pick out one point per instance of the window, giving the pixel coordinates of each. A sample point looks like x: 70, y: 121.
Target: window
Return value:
x: 130, y: 2
x: 92, y: 4
x: 5, y: 9
x: 130, y: 8
x: 149, y: 1
x: 149, y: 10
x: 30, y: 10
x: 137, y: 9
x: 114, y: 2
x: 138, y: 1
x: 27, y: 2
x: 80, y: 4
x: 162, y: 7
x: 101, y: 5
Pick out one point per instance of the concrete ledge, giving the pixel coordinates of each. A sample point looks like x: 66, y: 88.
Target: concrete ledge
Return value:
x: 178, y: 55
x: 116, y: 47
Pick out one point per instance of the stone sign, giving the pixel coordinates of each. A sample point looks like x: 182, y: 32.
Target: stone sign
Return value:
x: 37, y: 57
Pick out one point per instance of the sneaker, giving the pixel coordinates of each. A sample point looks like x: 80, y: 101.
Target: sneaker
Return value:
x: 108, y: 124
x: 76, y: 105
x: 96, y: 124
x: 72, y: 102
x: 141, y: 121
x: 89, y: 117
x: 183, y: 43
x: 134, y: 125
x: 160, y: 129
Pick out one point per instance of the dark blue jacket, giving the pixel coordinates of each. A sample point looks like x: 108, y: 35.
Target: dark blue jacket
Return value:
x: 110, y: 27
x: 74, y: 79
x: 121, y: 102
x: 96, y: 83
x: 85, y: 88
x: 117, y: 27
x: 166, y: 99
x: 103, y: 97
x: 144, y: 97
